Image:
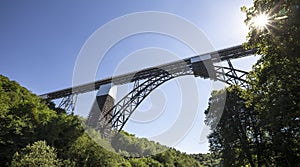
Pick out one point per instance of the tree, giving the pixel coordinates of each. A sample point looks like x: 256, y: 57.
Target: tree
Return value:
x: 144, y: 162
x: 264, y: 127
x: 206, y: 159
x: 21, y: 113
x: 26, y: 118
x: 128, y: 145
x: 174, y: 158
x: 274, y: 82
x: 37, y: 154
x: 234, y: 134
x: 86, y: 152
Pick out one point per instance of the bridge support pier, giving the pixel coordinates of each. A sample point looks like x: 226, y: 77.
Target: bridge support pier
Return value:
x: 103, y: 104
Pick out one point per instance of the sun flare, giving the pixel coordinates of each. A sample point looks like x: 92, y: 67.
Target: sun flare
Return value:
x: 261, y: 21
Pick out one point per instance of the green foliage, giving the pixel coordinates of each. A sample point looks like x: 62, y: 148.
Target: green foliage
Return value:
x: 85, y: 152
x: 233, y: 135
x: 144, y: 162
x: 25, y: 118
x: 282, y: 33
x: 131, y: 146
x: 274, y: 91
x: 260, y: 125
x: 63, y: 131
x: 174, y: 158
x: 96, y: 137
x: 37, y: 154
x: 207, y: 159
x: 21, y: 114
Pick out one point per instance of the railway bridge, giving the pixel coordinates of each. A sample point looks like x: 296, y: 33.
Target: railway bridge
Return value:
x: 106, y: 114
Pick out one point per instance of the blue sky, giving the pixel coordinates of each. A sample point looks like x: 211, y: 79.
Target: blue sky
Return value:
x: 40, y: 42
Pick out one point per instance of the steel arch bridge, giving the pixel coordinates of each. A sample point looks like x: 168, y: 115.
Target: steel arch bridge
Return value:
x: 146, y: 80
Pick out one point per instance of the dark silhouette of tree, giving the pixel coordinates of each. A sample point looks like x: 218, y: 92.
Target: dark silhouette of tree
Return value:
x: 260, y: 125
x: 275, y: 83
x: 233, y: 134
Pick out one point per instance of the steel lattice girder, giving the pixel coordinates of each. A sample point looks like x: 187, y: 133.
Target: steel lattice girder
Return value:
x: 121, y: 112
x: 68, y: 103
x: 232, y: 76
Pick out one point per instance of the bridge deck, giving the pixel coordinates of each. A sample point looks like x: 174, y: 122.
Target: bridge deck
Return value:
x: 185, y: 64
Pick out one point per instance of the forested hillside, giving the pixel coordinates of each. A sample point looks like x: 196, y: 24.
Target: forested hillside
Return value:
x: 35, y: 133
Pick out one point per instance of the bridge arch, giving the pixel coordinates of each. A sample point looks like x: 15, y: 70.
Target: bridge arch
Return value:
x: 119, y: 114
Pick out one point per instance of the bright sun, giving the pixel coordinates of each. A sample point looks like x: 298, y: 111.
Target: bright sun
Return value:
x: 261, y: 21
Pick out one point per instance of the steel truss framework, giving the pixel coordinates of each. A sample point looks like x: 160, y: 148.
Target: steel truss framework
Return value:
x: 231, y: 76
x: 146, y: 80
x: 68, y: 103
x: 122, y: 110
